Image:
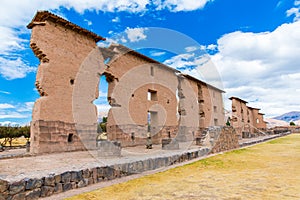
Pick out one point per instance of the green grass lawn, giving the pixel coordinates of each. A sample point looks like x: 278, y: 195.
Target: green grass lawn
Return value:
x: 269, y: 170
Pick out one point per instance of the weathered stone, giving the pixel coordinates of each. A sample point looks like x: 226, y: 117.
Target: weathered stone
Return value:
x: 76, y: 176
x: 47, y: 191
x: 19, y: 196
x: 73, y: 185
x: 66, y: 177
x: 5, y: 196
x: 17, y: 187
x: 33, y: 194
x: 3, y: 186
x: 95, y: 174
x: 49, y: 181
x: 90, y: 181
x: 33, y: 183
x: 58, y: 188
x: 82, y: 183
x: 57, y: 178
x: 86, y: 173
x: 67, y: 186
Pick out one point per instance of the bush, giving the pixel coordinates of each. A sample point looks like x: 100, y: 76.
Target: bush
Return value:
x: 292, y: 124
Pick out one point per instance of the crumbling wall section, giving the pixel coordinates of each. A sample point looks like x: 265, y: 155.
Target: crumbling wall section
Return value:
x: 69, y: 65
x: 224, y: 139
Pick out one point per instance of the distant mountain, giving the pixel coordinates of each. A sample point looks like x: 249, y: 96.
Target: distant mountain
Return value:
x: 275, y: 122
x: 288, y: 117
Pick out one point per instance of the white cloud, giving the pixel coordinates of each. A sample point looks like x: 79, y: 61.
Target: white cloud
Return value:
x: 4, y: 92
x: 180, y: 61
x: 6, y: 123
x: 6, y: 106
x: 102, y: 94
x: 180, y: 5
x: 13, y: 115
x: 88, y: 22
x: 16, y: 14
x: 263, y: 67
x: 12, y: 69
x: 136, y: 34
x: 191, y: 49
x: 156, y: 53
x: 295, y: 11
x: 116, y: 19
x: 25, y: 107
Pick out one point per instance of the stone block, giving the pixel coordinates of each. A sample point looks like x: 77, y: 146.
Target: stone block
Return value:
x: 94, y: 174
x: 19, y: 196
x: 33, y: 183
x: 82, y: 183
x: 5, y: 195
x: 57, y: 178
x: 76, y: 176
x: 86, y: 173
x: 66, y: 177
x: 73, y: 185
x: 47, y: 191
x: 3, y: 186
x: 58, y: 188
x: 17, y: 187
x: 33, y: 194
x: 49, y: 181
x: 67, y: 186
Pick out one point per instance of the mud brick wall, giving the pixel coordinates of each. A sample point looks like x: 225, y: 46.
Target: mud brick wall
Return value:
x: 67, y: 80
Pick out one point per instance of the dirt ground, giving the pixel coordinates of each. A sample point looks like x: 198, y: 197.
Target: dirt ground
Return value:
x: 269, y: 170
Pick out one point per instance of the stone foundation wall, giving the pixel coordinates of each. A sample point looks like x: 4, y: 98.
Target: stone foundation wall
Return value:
x: 133, y: 135
x: 58, y: 136
x: 57, y: 183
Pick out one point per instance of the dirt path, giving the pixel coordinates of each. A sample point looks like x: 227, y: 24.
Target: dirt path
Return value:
x: 266, y: 171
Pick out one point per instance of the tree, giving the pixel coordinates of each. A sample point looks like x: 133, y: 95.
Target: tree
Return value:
x: 228, y: 122
x: 9, y: 133
x: 292, y: 124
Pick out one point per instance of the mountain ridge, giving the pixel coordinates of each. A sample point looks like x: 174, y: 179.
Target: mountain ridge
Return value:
x: 289, y: 117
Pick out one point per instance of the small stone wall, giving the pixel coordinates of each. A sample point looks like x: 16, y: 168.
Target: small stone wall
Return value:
x: 56, y: 183
x: 224, y: 139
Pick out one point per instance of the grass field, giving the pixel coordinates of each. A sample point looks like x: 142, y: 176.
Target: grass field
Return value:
x: 266, y: 171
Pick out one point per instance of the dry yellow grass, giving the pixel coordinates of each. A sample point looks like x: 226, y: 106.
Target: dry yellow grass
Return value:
x: 16, y: 142
x: 266, y: 171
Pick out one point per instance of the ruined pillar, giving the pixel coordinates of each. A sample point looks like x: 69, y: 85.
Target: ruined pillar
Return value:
x: 64, y: 118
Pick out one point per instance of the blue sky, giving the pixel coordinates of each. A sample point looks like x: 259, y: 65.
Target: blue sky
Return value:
x: 253, y: 46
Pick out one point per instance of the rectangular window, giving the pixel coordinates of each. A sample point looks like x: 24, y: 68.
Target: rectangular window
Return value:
x: 152, y: 95
x: 151, y: 71
x: 216, y: 122
x: 215, y: 109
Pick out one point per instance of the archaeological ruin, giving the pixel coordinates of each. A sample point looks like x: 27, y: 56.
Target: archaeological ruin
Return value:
x: 145, y: 96
x: 247, y: 121
x: 158, y: 115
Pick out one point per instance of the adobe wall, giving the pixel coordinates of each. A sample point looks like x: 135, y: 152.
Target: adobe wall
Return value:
x: 67, y: 80
x: 246, y: 120
x: 130, y: 78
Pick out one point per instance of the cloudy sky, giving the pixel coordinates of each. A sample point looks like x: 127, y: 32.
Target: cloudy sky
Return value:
x: 250, y: 48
